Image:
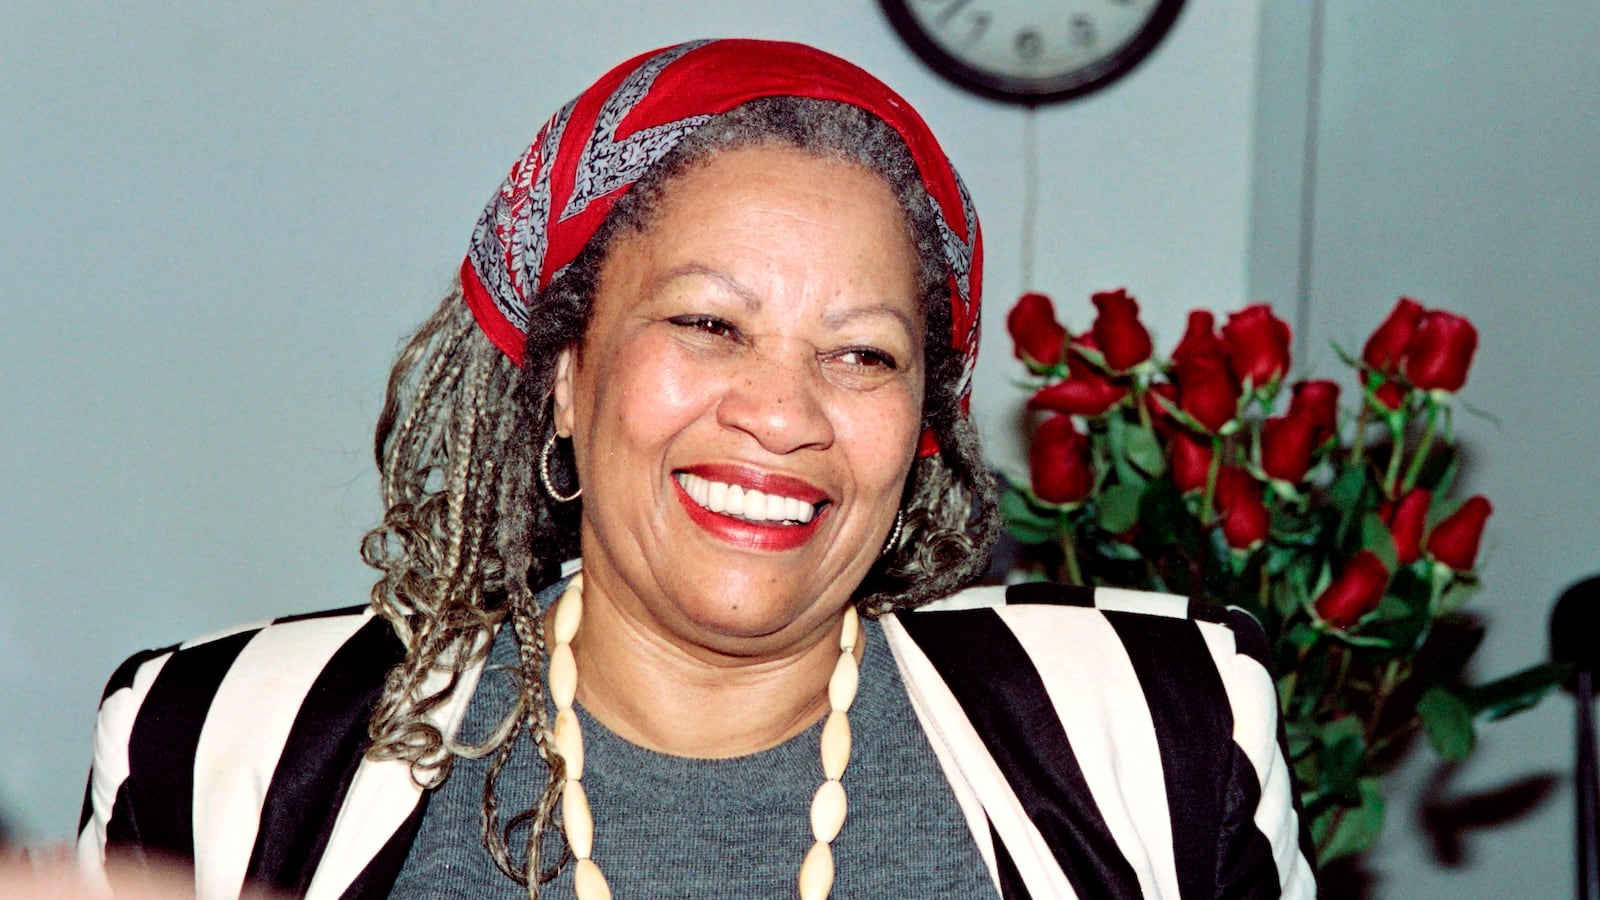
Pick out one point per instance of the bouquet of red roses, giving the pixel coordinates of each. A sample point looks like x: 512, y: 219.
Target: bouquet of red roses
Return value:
x: 1206, y: 474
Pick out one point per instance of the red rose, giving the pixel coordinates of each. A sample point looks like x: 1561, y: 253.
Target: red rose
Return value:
x: 1258, y: 345
x: 1085, y: 392
x: 1118, y: 332
x: 1387, y: 346
x: 1406, y: 522
x: 1038, y: 337
x: 1390, y: 396
x: 1440, y: 351
x: 1320, y: 401
x: 1454, y: 541
x: 1206, y: 390
x: 1191, y: 460
x: 1244, y: 516
x: 1286, y: 445
x: 1200, y: 337
x: 1059, y: 462
x: 1356, y: 592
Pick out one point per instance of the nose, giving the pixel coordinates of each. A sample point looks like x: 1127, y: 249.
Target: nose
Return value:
x: 778, y: 398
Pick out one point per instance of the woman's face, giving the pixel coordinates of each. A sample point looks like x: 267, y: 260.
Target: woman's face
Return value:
x: 745, y: 404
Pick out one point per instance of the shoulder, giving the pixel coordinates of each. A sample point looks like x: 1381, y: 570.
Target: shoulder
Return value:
x: 226, y: 706
x: 1045, y: 616
x: 264, y: 656
x: 1097, y: 655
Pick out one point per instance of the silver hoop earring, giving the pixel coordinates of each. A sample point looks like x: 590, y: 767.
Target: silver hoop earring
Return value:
x: 894, y: 533
x: 544, y: 474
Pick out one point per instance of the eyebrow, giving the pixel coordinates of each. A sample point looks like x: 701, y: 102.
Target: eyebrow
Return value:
x: 752, y: 301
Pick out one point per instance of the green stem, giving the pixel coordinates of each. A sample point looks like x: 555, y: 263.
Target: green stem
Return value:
x: 1070, y: 554
x: 1392, y: 475
x: 1422, y: 448
x: 1206, y: 512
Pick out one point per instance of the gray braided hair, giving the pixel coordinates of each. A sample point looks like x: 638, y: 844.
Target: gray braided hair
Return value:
x: 468, y: 539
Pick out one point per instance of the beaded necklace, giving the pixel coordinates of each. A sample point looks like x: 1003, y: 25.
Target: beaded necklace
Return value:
x: 828, y: 805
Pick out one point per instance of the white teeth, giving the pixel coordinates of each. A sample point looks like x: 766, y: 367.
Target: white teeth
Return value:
x: 753, y: 505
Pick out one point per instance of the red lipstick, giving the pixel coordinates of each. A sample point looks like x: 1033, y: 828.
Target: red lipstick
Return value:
x: 753, y: 535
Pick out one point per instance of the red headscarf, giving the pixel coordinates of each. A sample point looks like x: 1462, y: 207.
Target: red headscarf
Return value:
x: 594, y: 149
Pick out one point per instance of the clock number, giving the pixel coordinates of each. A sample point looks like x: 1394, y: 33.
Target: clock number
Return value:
x: 1083, y: 31
x: 1028, y: 44
x: 949, y: 12
x: 980, y: 24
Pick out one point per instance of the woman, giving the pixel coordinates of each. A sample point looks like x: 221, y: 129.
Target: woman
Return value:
x: 714, y: 336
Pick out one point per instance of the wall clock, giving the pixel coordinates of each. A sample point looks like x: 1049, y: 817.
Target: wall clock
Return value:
x: 1032, y: 51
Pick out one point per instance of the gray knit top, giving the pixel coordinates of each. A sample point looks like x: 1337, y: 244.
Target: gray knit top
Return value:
x: 668, y: 826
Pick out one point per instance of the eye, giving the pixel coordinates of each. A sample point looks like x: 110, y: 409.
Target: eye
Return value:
x: 868, y: 358
x: 706, y: 324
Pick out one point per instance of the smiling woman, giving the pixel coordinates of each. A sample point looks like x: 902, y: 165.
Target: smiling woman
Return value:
x: 664, y: 482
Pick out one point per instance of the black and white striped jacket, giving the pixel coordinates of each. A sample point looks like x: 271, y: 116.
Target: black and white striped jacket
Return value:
x: 1101, y: 743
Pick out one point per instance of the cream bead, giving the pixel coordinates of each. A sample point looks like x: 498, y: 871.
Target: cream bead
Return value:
x: 828, y: 809
x: 842, y: 686
x: 588, y: 883
x: 829, y: 805
x: 816, y: 872
x: 569, y: 612
x: 568, y: 736
x: 576, y: 819
x: 835, y: 744
x: 563, y: 676
x: 851, y: 630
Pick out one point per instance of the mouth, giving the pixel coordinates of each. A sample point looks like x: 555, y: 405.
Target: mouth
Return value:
x: 752, y: 510
x: 748, y: 504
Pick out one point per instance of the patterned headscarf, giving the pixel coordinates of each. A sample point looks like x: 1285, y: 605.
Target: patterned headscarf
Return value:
x: 595, y: 149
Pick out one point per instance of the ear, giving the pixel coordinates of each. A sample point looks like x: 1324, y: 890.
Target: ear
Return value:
x: 562, y: 391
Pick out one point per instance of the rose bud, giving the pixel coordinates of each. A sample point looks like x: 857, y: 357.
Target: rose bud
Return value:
x: 1118, y: 332
x: 1440, y: 352
x: 1058, y: 460
x: 1286, y: 446
x: 1390, y: 396
x: 1454, y: 542
x: 1085, y: 392
x: 1320, y: 400
x: 1244, y: 516
x: 1387, y: 346
x: 1191, y: 460
x: 1200, y: 338
x: 1038, y: 337
x: 1258, y: 345
x: 1356, y: 592
x: 1207, y: 390
x: 1406, y: 522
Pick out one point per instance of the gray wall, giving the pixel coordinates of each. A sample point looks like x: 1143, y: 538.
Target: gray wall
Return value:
x: 1457, y: 159
x: 220, y: 218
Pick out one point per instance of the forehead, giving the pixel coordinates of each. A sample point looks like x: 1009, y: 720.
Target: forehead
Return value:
x: 776, y: 215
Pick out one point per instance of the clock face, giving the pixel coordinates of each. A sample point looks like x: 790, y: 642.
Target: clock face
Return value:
x: 1032, y: 50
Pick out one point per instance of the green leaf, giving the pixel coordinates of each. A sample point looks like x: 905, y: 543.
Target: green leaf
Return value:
x: 1448, y: 722
x: 1167, y: 521
x: 1024, y: 523
x: 1344, y: 749
x: 1515, y: 692
x: 1358, y: 828
x: 1119, y: 507
x: 1375, y: 537
x: 1144, y: 451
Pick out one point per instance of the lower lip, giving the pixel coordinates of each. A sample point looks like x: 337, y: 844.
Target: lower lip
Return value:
x: 747, y: 535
